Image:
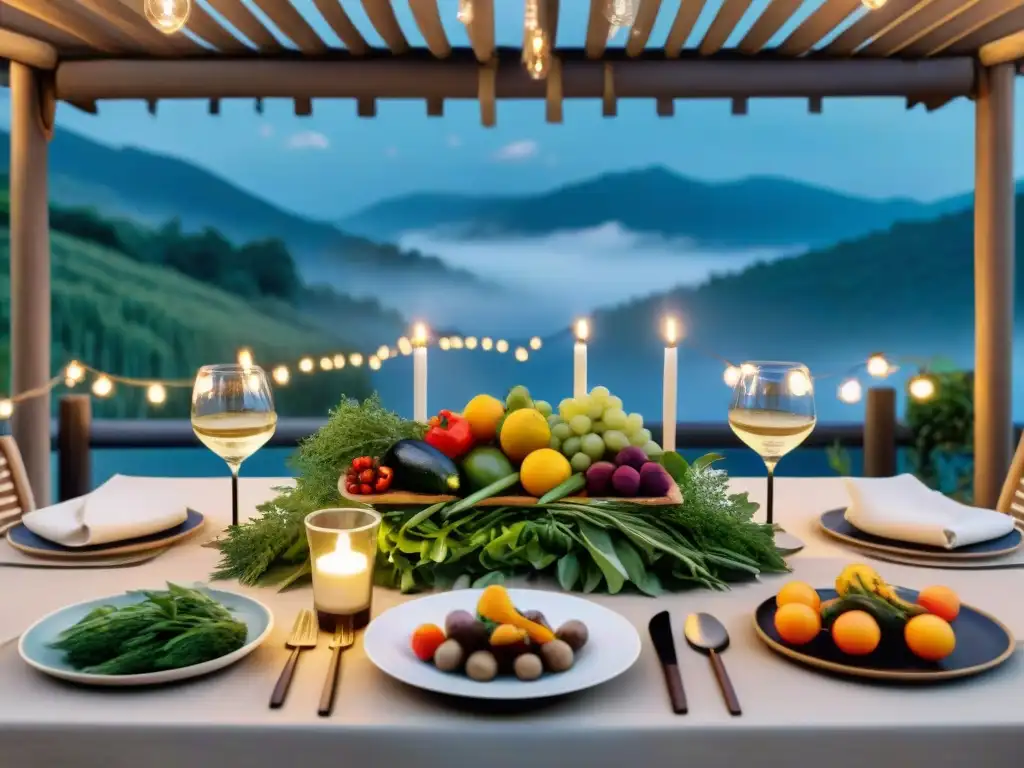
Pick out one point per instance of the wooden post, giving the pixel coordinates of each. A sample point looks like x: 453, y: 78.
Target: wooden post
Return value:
x: 30, y: 277
x: 74, y: 473
x: 993, y: 281
x: 880, y: 432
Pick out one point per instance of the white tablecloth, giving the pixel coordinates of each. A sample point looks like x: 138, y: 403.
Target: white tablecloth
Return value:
x: 791, y: 716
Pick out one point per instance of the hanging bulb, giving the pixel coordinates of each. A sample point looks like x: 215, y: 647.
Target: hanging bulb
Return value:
x: 326, y: 364
x: 306, y: 365
x: 536, y: 343
x: 522, y: 355
x: 731, y: 376
x: 851, y: 391
x: 922, y: 387
x: 465, y: 12
x: 878, y: 366
x: 872, y: 5
x: 622, y: 13
x: 536, y: 53
x: 281, y: 375
x: 168, y: 15
x: 102, y: 387
x: 156, y: 394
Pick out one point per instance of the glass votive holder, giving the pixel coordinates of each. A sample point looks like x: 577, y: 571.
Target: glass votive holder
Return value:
x: 342, y: 553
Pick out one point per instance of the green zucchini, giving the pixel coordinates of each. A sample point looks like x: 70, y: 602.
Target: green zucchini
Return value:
x: 421, y: 468
x: 885, y: 614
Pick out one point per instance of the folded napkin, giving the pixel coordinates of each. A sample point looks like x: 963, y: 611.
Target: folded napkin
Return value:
x: 905, y: 509
x: 122, y: 508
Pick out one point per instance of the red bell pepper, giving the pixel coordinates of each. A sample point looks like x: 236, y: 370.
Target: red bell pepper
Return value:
x: 450, y: 434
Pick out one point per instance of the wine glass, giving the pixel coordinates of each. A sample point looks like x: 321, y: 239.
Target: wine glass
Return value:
x: 233, y: 415
x: 772, y: 411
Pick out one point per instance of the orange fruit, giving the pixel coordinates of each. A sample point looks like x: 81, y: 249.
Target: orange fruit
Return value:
x: 930, y: 638
x: 542, y: 470
x: 856, y: 633
x: 425, y: 640
x: 942, y: 601
x: 797, y: 624
x: 798, y: 592
x: 523, y: 432
x: 483, y: 413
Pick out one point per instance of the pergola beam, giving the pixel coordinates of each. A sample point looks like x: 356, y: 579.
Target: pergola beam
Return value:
x: 481, y: 30
x: 428, y: 19
x: 682, y: 26
x: 767, y: 24
x: 27, y: 50
x: 646, y: 15
x: 78, y: 23
x: 964, y: 24
x: 816, y: 26
x: 598, y: 29
x: 873, y: 25
x: 724, y: 23
x: 383, y: 18
x: 1007, y: 49
x: 342, y: 26
x: 916, y: 27
x: 993, y: 282
x: 459, y: 79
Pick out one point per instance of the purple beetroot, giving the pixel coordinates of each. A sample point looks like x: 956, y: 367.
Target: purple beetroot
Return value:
x: 599, y: 478
x: 654, y: 480
x: 626, y: 481
x: 631, y: 457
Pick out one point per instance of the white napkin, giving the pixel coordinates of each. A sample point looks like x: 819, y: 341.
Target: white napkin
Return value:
x: 122, y: 508
x: 905, y: 509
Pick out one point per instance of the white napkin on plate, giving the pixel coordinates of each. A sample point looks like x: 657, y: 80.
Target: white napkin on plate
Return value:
x: 122, y: 508
x: 905, y: 509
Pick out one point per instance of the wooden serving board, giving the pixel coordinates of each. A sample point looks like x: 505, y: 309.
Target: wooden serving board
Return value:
x: 405, y: 498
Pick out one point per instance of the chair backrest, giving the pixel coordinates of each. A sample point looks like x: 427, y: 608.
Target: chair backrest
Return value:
x: 1011, y: 499
x: 15, y: 492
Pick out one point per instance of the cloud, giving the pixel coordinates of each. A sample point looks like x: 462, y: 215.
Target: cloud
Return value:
x: 266, y: 131
x: 454, y: 141
x: 308, y: 140
x: 517, y: 151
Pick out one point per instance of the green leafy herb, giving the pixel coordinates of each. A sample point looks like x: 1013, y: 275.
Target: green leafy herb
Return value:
x: 168, y: 630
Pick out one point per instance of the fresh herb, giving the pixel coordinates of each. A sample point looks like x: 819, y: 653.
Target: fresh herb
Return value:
x: 272, y: 549
x: 168, y: 630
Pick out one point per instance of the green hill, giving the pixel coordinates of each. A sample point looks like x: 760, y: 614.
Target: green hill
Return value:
x: 145, y: 320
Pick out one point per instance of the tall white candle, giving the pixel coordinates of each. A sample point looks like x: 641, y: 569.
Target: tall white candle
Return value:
x: 669, y: 386
x: 341, y: 583
x: 419, y: 373
x: 579, y: 359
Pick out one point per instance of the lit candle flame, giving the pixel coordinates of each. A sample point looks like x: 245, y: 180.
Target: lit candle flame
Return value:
x: 419, y: 334
x: 671, y: 331
x: 582, y: 330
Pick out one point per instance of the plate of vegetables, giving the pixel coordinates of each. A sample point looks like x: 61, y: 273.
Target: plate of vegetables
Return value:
x: 503, y: 644
x: 146, y: 637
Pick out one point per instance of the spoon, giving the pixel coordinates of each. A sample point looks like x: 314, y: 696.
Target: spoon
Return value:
x: 787, y: 543
x: 706, y: 634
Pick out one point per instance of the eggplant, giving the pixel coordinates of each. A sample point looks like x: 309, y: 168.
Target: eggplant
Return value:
x: 421, y: 468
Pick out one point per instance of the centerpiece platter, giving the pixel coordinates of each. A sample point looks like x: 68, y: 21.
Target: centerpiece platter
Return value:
x: 404, y: 498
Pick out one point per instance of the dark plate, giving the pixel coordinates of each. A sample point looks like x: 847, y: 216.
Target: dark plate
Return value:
x: 982, y: 643
x: 22, y: 538
x: 834, y: 524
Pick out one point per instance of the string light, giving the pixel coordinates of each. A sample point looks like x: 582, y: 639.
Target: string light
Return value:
x: 851, y: 391
x: 621, y: 13
x: 522, y: 355
x: 355, y: 359
x: 731, y: 376
x: 374, y: 363
x: 156, y: 394
x: 326, y: 364
x: 383, y: 352
x: 281, y: 375
x: 922, y: 387
x: 536, y: 50
x: 103, y: 386
x: 501, y: 346
x: 456, y: 342
x: 536, y: 343
x: 872, y: 5
x: 392, y: 352
x: 6, y: 409
x: 245, y: 357
x: 465, y: 12
x: 444, y: 343
x: 306, y: 365
x: 339, y: 362
x: 799, y: 383
x: 74, y: 373
x: 878, y: 366
x: 486, y: 343
x: 471, y: 342
x: 168, y: 15
x: 405, y: 346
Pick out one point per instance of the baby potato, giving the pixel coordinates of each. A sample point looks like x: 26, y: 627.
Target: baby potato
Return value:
x: 574, y: 633
x: 482, y: 666
x: 557, y: 655
x: 529, y: 667
x: 467, y: 629
x: 448, y: 656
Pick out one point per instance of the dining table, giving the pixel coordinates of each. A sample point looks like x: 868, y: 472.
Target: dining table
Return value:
x: 792, y: 715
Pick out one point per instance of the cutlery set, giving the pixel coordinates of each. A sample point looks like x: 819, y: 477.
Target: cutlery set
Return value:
x: 705, y: 634
x: 305, y: 635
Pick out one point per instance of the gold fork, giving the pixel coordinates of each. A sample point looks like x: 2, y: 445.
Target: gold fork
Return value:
x: 304, y: 635
x: 344, y: 636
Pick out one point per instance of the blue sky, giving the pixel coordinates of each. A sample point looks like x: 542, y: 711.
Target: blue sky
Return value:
x: 333, y: 162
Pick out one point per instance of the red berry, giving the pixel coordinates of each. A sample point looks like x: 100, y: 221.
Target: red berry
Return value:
x: 364, y: 488
x: 367, y: 476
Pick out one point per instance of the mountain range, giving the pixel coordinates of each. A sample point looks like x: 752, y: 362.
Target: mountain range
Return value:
x: 750, y: 212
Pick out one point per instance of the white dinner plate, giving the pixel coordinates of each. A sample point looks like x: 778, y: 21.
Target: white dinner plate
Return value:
x: 34, y: 645
x: 612, y: 648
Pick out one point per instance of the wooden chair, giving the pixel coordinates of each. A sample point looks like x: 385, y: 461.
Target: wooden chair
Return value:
x: 1011, y: 499
x: 15, y: 492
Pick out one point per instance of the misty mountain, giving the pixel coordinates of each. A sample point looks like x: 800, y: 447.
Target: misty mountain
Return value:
x: 755, y: 211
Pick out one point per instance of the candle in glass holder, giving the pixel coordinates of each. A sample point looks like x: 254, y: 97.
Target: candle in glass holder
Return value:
x: 579, y: 359
x: 419, y: 373
x: 342, y: 549
x: 669, y: 386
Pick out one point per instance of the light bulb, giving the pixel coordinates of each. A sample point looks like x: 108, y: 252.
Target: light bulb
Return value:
x: 383, y: 352
x: 6, y: 408
x: 471, y: 342
x: 306, y: 365
x: 245, y: 357
x: 922, y: 387
x: 465, y: 12
x: 456, y: 342
x: 74, y: 372
x: 872, y: 5
x: 851, y: 391
x: 501, y: 346
x: 444, y: 343
x: 168, y: 15
x: 355, y: 359
x: 156, y: 394
x: 339, y: 362
x: 405, y: 346
x: 878, y: 366
x: 731, y: 376
x: 522, y: 355
x: 281, y: 375
x: 486, y: 343
x: 621, y: 13
x: 374, y: 363
x: 536, y: 343
x: 326, y: 364
x: 799, y: 383
x: 102, y: 387
x: 536, y: 53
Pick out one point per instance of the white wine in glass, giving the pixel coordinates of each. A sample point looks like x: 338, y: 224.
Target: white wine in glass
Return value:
x: 233, y: 415
x: 772, y: 411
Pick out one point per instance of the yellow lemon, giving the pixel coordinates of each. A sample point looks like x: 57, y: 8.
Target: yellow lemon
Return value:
x: 483, y: 413
x: 523, y: 432
x: 542, y: 470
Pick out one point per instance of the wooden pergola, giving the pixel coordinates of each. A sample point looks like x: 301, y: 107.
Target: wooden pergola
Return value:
x: 927, y: 52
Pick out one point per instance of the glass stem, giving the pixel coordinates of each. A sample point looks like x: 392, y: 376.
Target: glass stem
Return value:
x: 234, y: 492
x: 771, y: 494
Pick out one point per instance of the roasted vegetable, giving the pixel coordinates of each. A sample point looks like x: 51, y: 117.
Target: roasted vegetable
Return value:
x: 421, y: 468
x: 495, y: 605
